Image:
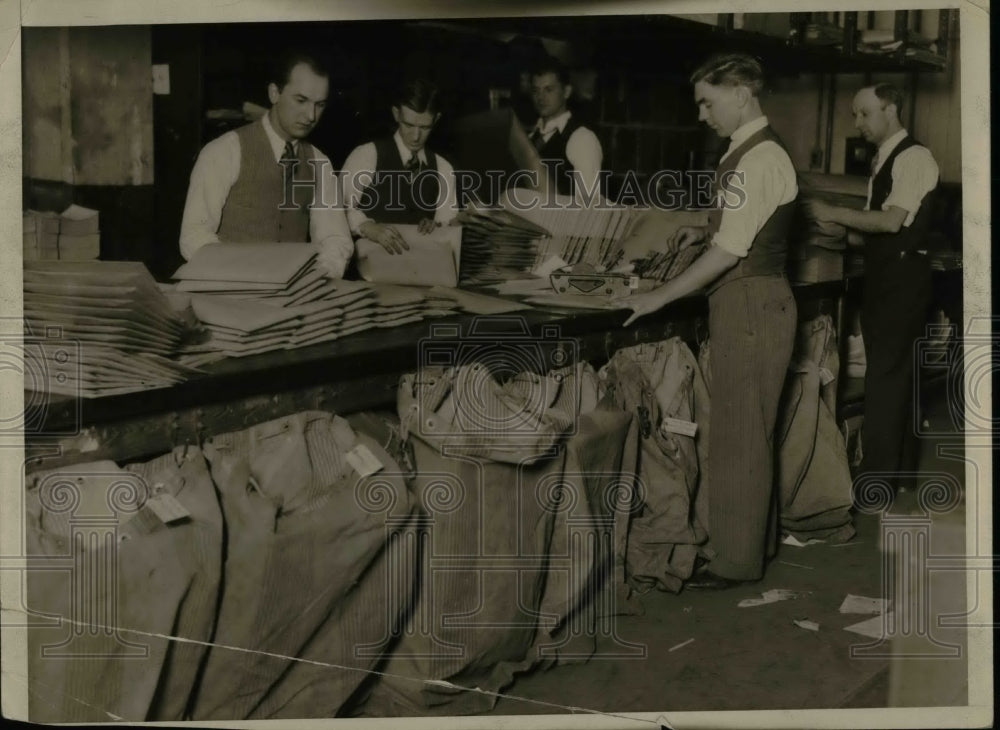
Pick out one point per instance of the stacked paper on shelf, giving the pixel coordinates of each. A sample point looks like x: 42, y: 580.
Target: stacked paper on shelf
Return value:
x: 432, y: 259
x: 100, y: 328
x: 73, y: 235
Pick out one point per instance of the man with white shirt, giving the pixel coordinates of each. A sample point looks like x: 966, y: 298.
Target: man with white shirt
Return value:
x: 897, y: 285
x: 264, y: 183
x: 398, y: 179
x: 752, y: 316
x: 570, y: 151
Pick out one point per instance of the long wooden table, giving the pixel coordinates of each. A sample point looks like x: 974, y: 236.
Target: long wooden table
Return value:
x: 359, y: 372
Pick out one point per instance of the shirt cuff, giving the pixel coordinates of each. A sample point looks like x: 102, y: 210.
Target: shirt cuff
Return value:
x: 730, y: 246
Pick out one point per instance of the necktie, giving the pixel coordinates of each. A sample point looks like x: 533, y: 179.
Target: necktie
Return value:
x: 874, y: 163
x: 537, y: 139
x: 288, y: 170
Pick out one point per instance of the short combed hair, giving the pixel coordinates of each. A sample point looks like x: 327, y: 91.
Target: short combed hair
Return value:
x: 731, y: 69
x: 889, y: 94
x: 281, y: 69
x: 420, y: 95
x: 550, y: 65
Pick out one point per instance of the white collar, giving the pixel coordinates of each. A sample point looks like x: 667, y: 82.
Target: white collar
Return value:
x: 744, y: 132
x: 405, y: 153
x: 277, y: 143
x: 888, y: 145
x: 557, y: 122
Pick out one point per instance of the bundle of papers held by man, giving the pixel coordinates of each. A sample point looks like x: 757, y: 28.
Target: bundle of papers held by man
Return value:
x: 99, y: 328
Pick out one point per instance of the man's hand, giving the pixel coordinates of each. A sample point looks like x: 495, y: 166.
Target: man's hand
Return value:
x: 685, y: 236
x: 426, y: 225
x: 855, y: 239
x: 386, y: 236
x: 641, y: 304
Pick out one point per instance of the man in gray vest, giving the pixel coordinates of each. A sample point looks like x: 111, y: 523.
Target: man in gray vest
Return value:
x: 399, y: 179
x: 264, y: 183
x: 752, y: 316
x: 897, y: 285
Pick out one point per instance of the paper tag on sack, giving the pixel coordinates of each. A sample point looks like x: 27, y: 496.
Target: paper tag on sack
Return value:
x: 167, y: 508
x: 633, y: 282
x: 825, y: 376
x: 677, y: 425
x: 363, y: 461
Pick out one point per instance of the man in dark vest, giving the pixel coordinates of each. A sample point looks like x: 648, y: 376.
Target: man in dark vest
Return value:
x: 264, y: 183
x: 752, y: 317
x: 399, y: 179
x: 570, y: 152
x: 897, y: 284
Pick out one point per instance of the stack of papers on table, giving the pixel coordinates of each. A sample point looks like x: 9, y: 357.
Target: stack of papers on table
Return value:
x: 99, y: 328
x: 254, y: 298
x: 497, y: 243
x: 525, y: 231
x: 431, y: 260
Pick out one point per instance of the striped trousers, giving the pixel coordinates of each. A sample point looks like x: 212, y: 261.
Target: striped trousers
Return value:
x: 752, y: 323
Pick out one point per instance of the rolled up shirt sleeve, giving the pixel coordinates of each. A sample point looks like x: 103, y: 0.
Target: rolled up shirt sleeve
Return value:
x: 914, y: 174
x: 764, y: 179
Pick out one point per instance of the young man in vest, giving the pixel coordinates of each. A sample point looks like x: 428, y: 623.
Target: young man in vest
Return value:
x: 752, y: 316
x: 264, y: 183
x: 398, y: 179
x: 897, y: 284
x: 570, y: 152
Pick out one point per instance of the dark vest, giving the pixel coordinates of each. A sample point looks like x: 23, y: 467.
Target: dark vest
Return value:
x: 396, y: 194
x: 557, y: 165
x: 883, y: 247
x: 769, y: 250
x: 253, y: 210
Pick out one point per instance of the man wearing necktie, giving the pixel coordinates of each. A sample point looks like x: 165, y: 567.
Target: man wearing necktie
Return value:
x: 897, y: 284
x: 570, y: 152
x: 264, y: 183
x: 752, y: 316
x: 399, y: 179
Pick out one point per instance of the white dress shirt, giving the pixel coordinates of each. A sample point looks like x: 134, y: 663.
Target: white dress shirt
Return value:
x: 216, y: 171
x: 358, y: 174
x: 768, y: 181
x: 914, y: 174
x: 583, y: 149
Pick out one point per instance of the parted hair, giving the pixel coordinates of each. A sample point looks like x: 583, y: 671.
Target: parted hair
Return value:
x: 731, y: 69
x: 418, y: 94
x: 889, y: 94
x: 281, y: 69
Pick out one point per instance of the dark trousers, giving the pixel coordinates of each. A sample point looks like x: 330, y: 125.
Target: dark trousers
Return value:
x: 752, y: 321
x: 896, y: 298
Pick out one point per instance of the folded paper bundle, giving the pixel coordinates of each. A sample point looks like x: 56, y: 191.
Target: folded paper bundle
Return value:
x: 432, y: 259
x: 100, y: 328
x: 525, y: 231
x: 73, y: 235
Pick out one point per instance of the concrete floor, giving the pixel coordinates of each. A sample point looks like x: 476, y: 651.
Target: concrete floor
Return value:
x: 757, y: 658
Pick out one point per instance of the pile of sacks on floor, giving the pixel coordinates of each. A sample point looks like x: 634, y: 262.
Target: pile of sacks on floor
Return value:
x: 313, y: 566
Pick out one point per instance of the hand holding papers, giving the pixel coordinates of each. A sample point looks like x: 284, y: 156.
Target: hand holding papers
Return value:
x: 432, y: 259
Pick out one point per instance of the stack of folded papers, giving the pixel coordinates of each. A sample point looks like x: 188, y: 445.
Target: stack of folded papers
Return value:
x: 527, y: 230
x: 73, y: 235
x: 99, y: 328
x: 432, y: 259
x: 243, y: 320
x: 282, y: 274
x: 496, y: 243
